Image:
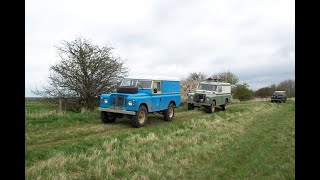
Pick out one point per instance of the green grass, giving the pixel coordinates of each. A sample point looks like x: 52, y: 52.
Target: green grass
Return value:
x: 250, y: 140
x: 38, y: 106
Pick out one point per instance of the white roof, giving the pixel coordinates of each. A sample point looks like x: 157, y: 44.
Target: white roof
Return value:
x: 215, y: 83
x: 154, y: 77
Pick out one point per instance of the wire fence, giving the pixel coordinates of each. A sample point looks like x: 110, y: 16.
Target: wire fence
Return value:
x: 37, y: 112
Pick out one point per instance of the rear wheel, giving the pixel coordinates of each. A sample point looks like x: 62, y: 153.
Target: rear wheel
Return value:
x: 140, y: 118
x: 169, y: 113
x: 190, y: 106
x: 107, y: 117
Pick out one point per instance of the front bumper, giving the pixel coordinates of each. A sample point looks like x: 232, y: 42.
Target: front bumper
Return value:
x: 117, y: 111
x: 199, y: 104
x: 277, y: 99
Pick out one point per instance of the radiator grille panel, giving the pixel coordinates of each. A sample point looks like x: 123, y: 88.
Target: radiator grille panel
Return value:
x: 120, y: 101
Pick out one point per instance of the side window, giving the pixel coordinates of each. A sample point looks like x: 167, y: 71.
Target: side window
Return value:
x: 220, y: 89
x: 157, y: 87
x: 214, y: 88
x: 133, y: 83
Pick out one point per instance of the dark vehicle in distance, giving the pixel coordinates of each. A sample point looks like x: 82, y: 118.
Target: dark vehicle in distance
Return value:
x: 279, y: 96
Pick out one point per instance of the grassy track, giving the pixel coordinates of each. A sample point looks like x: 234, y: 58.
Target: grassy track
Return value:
x: 251, y: 140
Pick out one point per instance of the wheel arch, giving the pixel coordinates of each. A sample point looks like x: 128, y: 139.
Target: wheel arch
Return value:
x: 144, y: 104
x: 214, y: 100
x: 173, y: 102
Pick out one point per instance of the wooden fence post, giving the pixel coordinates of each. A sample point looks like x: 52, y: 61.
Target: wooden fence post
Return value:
x: 60, y: 104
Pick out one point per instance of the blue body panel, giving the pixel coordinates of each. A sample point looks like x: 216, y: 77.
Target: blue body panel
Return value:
x: 170, y: 87
x: 170, y: 93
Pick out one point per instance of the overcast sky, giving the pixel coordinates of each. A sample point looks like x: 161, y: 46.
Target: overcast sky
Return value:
x: 255, y: 39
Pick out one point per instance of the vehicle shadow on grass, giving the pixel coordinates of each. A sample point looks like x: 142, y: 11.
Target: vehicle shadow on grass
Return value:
x: 157, y: 119
x: 205, y: 110
x: 153, y: 119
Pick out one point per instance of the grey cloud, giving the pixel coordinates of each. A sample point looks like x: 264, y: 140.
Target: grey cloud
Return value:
x: 253, y: 39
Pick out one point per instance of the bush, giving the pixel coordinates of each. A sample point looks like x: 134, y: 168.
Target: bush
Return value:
x: 242, y: 92
x: 264, y: 92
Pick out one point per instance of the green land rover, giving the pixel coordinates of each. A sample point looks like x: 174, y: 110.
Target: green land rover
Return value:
x: 210, y: 94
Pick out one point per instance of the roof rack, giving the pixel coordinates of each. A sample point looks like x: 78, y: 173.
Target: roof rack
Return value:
x: 214, y: 80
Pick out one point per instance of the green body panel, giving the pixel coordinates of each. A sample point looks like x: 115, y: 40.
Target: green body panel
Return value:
x: 220, y: 99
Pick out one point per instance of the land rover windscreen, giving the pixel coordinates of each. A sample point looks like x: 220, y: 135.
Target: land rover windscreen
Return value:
x: 206, y: 87
x: 140, y: 83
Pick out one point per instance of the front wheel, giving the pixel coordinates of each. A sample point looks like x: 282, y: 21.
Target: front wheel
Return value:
x: 212, y: 108
x: 140, y: 118
x: 224, y: 107
x: 107, y: 117
x: 190, y: 106
x: 169, y: 113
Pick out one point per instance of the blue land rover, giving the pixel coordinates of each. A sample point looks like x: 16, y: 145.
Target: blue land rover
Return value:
x: 136, y: 98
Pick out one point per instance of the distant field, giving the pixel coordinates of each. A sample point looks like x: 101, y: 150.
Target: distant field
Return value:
x: 38, y: 106
x: 250, y: 140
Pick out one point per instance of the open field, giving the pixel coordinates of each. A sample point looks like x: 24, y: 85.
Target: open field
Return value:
x: 250, y: 140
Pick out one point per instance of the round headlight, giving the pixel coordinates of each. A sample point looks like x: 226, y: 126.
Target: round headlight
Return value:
x: 105, y: 101
x: 130, y: 103
x: 191, y: 97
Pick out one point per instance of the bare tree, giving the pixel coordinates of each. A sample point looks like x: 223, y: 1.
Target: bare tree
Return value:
x: 273, y: 87
x: 288, y: 86
x: 84, y: 72
x: 226, y: 76
x: 190, y: 83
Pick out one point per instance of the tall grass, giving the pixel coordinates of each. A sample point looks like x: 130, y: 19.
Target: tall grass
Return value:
x: 250, y: 140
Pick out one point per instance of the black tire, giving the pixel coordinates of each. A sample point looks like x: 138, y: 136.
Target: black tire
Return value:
x: 140, y: 118
x: 107, y: 117
x: 127, y: 89
x: 225, y: 106
x: 213, y: 107
x: 190, y: 106
x: 168, y: 114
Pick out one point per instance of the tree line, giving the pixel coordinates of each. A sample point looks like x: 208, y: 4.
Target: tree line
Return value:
x: 86, y: 70
x: 239, y: 91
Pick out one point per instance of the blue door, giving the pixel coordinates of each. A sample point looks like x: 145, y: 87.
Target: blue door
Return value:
x: 156, y: 95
